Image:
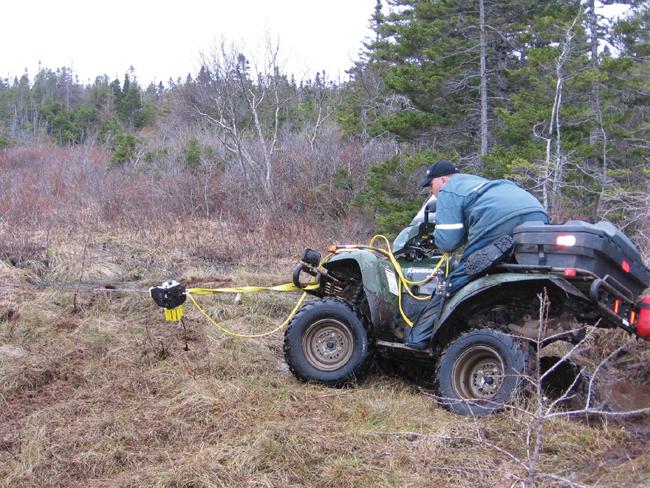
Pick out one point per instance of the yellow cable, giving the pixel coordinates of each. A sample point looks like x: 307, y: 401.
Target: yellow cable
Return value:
x: 247, y: 336
x: 399, y: 302
x: 397, y: 266
x: 398, y: 269
x: 402, y: 282
x: 251, y: 289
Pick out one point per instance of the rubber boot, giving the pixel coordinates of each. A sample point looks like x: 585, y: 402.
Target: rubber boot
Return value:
x: 419, y: 336
x: 483, y: 259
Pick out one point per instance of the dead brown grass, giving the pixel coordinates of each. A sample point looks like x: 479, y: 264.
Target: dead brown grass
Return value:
x: 112, y: 396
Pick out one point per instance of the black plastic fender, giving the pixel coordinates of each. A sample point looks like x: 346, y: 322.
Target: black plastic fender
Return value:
x: 489, y: 288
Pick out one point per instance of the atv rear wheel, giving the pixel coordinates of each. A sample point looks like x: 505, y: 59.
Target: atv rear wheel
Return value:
x: 326, y: 342
x: 481, y: 371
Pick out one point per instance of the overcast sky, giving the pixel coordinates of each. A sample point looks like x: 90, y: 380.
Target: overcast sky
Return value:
x: 163, y: 38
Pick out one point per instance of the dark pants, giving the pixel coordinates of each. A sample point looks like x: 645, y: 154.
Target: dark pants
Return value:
x: 420, y: 334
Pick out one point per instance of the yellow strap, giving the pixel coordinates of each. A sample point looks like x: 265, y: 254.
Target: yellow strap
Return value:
x: 287, y: 287
x: 250, y: 289
x: 246, y: 336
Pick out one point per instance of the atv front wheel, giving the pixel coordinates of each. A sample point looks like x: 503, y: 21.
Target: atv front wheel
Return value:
x: 481, y: 371
x: 326, y: 342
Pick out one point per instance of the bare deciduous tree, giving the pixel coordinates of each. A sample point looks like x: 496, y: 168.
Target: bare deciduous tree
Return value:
x: 242, y: 103
x: 554, y: 170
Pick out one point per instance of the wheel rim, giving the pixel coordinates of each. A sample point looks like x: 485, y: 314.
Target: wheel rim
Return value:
x: 478, y: 373
x: 328, y: 344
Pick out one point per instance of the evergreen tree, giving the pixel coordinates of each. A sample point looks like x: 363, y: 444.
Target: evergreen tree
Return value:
x: 129, y: 104
x: 365, y: 98
x: 514, y: 88
x: 624, y: 176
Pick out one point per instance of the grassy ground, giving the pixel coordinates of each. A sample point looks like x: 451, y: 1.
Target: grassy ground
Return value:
x: 97, y: 390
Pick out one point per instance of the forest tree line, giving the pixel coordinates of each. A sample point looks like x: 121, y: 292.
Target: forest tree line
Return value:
x: 549, y: 94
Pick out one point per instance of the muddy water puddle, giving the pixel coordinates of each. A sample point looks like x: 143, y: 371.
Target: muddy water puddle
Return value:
x: 619, y: 396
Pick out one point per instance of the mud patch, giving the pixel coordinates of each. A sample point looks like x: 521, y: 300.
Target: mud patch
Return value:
x: 624, y: 397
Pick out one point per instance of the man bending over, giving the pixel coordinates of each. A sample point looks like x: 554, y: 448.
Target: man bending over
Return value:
x: 476, y: 212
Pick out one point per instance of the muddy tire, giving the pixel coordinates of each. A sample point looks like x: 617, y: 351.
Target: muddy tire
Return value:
x: 481, y: 371
x: 326, y: 343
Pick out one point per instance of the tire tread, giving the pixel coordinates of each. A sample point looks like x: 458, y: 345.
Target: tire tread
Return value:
x: 357, y: 374
x: 514, y: 347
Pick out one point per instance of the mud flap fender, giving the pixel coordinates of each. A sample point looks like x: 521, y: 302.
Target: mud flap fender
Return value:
x: 376, y: 275
x: 492, y: 283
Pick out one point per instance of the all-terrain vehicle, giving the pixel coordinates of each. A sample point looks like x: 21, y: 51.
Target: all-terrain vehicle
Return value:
x: 483, y: 340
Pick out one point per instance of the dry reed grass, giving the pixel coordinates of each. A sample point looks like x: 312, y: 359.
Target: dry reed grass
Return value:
x: 110, y: 395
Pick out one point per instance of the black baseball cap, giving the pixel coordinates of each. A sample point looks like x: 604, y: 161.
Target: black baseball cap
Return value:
x: 436, y: 170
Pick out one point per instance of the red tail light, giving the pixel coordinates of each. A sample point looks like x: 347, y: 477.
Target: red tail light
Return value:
x: 643, y: 320
x: 625, y: 266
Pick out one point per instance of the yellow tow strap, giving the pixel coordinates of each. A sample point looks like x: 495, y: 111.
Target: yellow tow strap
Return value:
x: 287, y: 287
x: 402, y: 282
x: 247, y: 289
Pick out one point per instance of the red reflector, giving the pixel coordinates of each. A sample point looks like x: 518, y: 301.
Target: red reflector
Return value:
x: 617, y: 306
x: 566, y: 241
x: 643, y: 318
x: 626, y: 266
x: 570, y: 272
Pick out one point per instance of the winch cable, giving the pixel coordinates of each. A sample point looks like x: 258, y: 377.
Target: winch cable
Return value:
x: 177, y: 313
x: 79, y: 288
x: 84, y: 287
